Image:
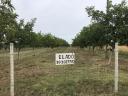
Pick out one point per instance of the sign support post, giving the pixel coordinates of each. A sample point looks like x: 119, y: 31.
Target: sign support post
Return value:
x: 116, y: 67
x: 11, y: 69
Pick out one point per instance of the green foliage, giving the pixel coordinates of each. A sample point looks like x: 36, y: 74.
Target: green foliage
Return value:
x: 106, y: 28
x: 22, y: 33
x: 92, y: 35
x: 27, y: 38
x: 49, y: 40
x: 7, y: 20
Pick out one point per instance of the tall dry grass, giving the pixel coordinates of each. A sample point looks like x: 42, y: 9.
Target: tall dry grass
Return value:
x: 123, y: 48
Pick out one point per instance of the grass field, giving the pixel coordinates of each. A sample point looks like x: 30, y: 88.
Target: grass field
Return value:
x: 37, y: 75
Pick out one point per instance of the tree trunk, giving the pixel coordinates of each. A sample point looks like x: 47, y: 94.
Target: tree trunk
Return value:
x: 110, y: 57
x: 18, y: 56
x: 106, y: 52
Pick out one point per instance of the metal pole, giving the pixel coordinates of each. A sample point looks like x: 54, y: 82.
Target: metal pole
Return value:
x: 116, y: 67
x: 11, y: 69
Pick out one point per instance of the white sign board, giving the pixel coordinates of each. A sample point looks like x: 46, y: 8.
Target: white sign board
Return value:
x: 65, y: 58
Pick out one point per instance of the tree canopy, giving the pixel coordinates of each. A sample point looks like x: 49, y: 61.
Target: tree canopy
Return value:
x: 21, y: 32
x: 106, y: 27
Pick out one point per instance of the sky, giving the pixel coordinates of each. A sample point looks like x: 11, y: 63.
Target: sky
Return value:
x: 62, y: 18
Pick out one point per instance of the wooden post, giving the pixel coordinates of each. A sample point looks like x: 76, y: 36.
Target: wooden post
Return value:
x: 11, y: 69
x: 116, y: 67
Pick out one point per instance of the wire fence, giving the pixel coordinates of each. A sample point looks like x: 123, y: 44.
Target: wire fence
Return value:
x: 36, y: 73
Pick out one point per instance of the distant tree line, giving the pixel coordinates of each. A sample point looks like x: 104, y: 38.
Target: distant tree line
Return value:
x: 21, y: 32
x: 106, y: 27
x: 27, y: 38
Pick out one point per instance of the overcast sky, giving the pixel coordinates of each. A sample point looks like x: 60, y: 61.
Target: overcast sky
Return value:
x: 62, y: 18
